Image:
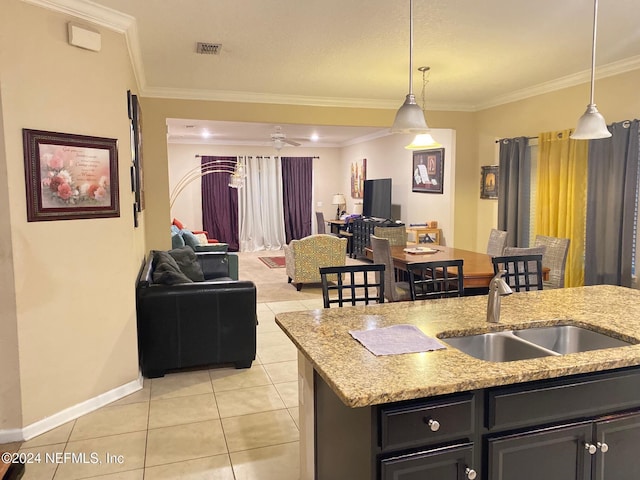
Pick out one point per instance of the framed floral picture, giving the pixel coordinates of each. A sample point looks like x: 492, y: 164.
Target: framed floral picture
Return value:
x: 489, y: 181
x: 70, y: 176
x: 428, y: 171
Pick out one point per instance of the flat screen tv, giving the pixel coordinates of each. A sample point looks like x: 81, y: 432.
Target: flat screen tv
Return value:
x: 376, y: 200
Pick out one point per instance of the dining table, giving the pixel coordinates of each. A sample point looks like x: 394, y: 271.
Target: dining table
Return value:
x: 477, y: 267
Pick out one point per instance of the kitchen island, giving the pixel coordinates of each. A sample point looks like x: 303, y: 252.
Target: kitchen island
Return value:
x: 369, y: 417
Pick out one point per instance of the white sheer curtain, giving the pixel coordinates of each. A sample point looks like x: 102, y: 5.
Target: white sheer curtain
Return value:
x: 261, y: 215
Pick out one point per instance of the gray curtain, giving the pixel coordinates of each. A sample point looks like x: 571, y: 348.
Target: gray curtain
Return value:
x: 514, y: 190
x: 611, y: 206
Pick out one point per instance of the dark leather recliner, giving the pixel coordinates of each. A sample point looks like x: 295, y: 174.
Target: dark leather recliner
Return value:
x: 195, y: 324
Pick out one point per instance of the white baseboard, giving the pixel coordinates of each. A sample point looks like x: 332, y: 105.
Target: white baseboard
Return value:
x: 71, y: 413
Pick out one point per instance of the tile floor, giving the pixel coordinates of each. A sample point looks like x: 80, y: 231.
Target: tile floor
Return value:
x: 218, y: 424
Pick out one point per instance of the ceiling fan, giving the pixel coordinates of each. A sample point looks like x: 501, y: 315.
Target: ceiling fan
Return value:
x: 280, y: 140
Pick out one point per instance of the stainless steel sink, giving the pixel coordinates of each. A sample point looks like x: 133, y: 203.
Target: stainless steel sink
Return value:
x: 569, y: 339
x: 528, y: 343
x: 497, y: 347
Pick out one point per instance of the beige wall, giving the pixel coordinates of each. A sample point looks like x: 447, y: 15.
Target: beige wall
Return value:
x: 73, y: 315
x: 617, y: 98
x: 10, y: 394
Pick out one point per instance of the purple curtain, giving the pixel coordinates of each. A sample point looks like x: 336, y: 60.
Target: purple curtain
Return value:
x: 220, y: 205
x: 297, y: 184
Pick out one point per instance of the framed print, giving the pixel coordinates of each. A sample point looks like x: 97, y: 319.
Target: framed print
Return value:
x: 136, y: 153
x: 70, y: 176
x: 428, y: 171
x: 358, y: 176
x: 489, y: 181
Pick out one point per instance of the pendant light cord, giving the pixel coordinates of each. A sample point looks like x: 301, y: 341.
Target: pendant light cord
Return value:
x: 593, y: 51
x: 411, y: 47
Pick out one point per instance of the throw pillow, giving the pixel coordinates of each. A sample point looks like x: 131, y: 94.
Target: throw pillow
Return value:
x: 166, y: 270
x: 176, y: 237
x: 189, y: 238
x: 188, y: 263
x: 178, y: 224
x: 202, y: 238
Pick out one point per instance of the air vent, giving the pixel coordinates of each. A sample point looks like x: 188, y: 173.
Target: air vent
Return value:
x: 208, y: 48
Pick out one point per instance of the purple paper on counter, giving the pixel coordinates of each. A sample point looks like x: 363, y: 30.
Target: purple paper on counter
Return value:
x: 396, y: 340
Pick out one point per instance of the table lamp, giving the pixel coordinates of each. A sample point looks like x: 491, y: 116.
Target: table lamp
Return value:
x: 338, y: 199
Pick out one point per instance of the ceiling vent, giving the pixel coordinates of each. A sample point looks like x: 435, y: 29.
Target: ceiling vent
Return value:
x: 208, y: 48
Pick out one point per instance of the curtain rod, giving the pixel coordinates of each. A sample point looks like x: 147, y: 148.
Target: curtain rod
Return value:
x: 501, y: 139
x: 258, y: 156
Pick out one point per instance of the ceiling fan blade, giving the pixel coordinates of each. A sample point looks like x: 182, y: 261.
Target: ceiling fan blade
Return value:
x: 291, y: 142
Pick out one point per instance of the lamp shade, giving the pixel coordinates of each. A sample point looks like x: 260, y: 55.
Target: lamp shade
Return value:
x: 421, y: 141
x: 338, y: 199
x: 410, y: 118
x: 591, y: 125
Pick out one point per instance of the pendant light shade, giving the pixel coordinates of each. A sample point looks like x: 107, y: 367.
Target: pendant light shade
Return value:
x: 422, y: 141
x: 410, y: 118
x: 591, y: 124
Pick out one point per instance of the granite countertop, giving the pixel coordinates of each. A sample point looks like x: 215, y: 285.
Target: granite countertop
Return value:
x: 359, y: 378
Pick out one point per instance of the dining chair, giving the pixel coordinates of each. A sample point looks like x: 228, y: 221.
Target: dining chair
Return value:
x: 321, y: 223
x: 428, y: 280
x: 394, y: 290
x: 365, y: 284
x: 497, y: 242
x: 539, y: 250
x: 397, y: 236
x: 554, y: 258
x: 523, y: 272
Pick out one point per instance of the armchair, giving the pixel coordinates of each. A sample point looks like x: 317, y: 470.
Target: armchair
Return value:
x: 304, y: 257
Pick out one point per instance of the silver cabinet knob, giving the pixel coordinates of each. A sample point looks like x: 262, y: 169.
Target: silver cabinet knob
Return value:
x: 604, y: 448
x: 434, y: 425
x: 470, y: 473
x: 591, y: 448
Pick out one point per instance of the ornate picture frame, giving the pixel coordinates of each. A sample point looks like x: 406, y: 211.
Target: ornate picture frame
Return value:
x: 70, y: 176
x: 428, y: 171
x: 489, y: 181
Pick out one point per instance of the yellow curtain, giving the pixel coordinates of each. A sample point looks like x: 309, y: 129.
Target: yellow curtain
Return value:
x: 561, y: 203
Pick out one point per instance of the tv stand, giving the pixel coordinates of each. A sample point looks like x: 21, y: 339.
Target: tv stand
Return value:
x: 363, y: 229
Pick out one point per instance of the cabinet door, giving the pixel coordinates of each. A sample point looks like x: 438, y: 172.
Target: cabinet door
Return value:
x: 549, y: 454
x: 450, y: 463
x: 620, y: 458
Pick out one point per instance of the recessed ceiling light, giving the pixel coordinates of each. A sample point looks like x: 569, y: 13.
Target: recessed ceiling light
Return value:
x: 315, y: 137
x: 205, y: 134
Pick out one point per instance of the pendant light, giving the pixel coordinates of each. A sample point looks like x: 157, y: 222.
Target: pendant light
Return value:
x: 423, y: 140
x: 410, y: 118
x: 591, y: 124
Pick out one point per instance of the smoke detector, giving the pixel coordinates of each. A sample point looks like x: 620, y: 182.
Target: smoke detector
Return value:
x: 205, y: 48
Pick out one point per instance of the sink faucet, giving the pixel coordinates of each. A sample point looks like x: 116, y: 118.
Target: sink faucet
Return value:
x: 498, y: 288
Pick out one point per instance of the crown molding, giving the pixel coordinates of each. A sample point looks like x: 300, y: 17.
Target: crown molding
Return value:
x: 252, y: 97
x: 604, y: 71
x: 273, y: 98
x: 88, y: 11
